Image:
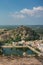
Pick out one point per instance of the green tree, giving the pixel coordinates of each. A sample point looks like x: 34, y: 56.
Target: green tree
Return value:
x: 18, y: 38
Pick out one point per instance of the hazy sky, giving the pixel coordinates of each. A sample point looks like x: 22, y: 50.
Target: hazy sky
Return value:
x: 21, y: 12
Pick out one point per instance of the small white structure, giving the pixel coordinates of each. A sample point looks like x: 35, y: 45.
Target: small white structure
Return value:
x: 40, y: 46
x: 24, y: 53
x: 13, y: 42
x: 21, y: 42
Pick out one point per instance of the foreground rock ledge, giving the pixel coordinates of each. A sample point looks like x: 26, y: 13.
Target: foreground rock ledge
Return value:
x: 19, y: 61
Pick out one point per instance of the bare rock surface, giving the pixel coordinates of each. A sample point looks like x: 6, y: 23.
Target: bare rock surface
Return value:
x: 19, y: 61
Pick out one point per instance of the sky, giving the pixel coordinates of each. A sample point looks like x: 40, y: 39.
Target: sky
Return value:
x: 21, y: 12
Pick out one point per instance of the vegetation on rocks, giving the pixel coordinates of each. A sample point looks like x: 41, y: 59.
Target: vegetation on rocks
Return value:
x: 25, y: 33
x: 18, y: 34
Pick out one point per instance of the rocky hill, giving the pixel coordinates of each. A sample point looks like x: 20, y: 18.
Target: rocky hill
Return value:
x: 20, y: 33
x: 25, y: 33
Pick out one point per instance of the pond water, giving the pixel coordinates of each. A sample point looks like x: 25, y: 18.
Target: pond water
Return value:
x: 14, y: 51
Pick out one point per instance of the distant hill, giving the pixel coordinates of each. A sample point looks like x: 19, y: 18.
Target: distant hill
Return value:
x: 19, y: 33
x: 25, y: 33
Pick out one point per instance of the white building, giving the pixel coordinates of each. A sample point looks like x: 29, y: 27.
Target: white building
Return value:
x: 40, y: 46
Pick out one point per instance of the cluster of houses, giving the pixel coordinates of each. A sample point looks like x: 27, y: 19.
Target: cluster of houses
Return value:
x: 36, y: 44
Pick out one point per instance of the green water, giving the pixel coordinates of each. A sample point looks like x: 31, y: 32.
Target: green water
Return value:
x: 14, y: 51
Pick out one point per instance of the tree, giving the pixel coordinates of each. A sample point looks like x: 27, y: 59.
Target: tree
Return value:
x: 18, y: 38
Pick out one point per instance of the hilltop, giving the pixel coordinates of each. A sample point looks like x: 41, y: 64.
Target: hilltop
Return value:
x: 19, y: 33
